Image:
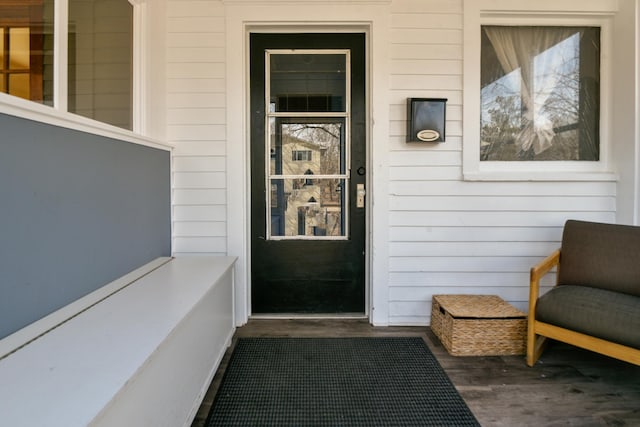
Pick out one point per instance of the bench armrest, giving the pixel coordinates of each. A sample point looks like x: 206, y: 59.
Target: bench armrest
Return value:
x: 537, y: 272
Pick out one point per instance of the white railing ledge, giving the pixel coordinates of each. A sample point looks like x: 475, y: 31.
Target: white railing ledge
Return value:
x: 143, y: 356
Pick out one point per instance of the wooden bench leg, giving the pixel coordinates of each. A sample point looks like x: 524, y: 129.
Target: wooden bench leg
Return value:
x: 535, y: 346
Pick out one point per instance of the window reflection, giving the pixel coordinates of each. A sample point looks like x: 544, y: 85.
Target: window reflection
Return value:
x: 307, y: 207
x: 307, y: 145
x: 302, y: 205
x: 26, y: 64
x: 307, y: 153
x: 540, y: 93
x: 101, y: 61
x: 307, y: 82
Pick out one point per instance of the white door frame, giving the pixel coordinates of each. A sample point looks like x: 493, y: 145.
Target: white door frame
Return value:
x: 243, y: 19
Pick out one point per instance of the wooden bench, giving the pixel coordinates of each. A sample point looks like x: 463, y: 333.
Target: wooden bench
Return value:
x: 144, y: 354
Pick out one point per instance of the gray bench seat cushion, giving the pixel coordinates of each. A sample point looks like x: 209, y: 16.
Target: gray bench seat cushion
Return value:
x: 612, y: 316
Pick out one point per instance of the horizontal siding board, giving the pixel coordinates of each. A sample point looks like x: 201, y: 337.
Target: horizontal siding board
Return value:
x: 194, y: 40
x: 196, y: 100
x: 493, y: 219
x: 425, y: 36
x: 416, y: 157
x: 443, y: 281
x: 395, y: 320
x: 458, y: 249
x: 196, y: 116
x: 399, y: 143
x: 200, y: 213
x: 199, y: 180
x: 191, y: 85
x: 431, y: 6
x: 204, y: 148
x: 501, y: 203
x: 431, y: 51
x: 420, y: 20
x: 204, y: 25
x: 199, y: 164
x: 463, y: 264
x: 200, y: 244
x: 476, y: 234
x: 408, y: 294
x: 195, y: 54
x: 196, y: 70
x: 417, y: 82
x: 186, y: 8
x: 409, y: 308
x: 434, y: 66
x: 430, y: 173
x: 200, y: 229
x: 461, y: 188
x: 197, y: 132
x: 199, y: 197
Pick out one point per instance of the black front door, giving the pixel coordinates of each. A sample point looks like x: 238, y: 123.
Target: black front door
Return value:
x: 308, y: 159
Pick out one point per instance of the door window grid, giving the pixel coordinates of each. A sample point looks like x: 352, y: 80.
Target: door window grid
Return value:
x: 321, y: 209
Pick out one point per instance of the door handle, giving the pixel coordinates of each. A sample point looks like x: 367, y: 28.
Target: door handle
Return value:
x: 360, y: 193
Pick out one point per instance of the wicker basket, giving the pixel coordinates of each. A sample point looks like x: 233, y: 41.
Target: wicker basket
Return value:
x: 478, y: 325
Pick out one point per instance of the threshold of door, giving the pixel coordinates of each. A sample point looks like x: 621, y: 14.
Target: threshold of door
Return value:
x: 309, y: 316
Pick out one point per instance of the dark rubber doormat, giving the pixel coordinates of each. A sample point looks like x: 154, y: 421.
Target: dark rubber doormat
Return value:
x: 336, y: 382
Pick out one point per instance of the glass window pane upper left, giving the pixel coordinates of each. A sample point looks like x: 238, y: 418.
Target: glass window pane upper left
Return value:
x: 26, y: 53
x: 308, y: 82
x: 101, y: 61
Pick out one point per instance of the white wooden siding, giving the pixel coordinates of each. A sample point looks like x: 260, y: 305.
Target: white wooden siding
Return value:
x: 196, y: 125
x: 447, y: 235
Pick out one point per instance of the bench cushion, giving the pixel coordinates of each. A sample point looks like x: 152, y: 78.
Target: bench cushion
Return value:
x: 612, y: 316
x: 599, y: 255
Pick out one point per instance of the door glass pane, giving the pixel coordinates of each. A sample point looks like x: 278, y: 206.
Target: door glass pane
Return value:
x: 303, y: 147
x: 307, y: 207
x: 308, y: 82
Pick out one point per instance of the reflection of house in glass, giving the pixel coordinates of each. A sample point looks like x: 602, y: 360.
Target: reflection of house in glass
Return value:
x: 301, y: 204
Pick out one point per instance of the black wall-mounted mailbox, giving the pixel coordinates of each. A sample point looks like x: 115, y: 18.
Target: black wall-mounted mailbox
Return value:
x: 426, y: 119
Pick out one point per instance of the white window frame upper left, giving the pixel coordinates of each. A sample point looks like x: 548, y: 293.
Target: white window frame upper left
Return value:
x: 58, y: 115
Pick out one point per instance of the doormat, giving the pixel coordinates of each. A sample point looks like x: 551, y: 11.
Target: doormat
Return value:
x: 336, y: 382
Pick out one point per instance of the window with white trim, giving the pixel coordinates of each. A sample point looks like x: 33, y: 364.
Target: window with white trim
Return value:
x: 539, y: 93
x: 536, y: 91
x: 89, y: 73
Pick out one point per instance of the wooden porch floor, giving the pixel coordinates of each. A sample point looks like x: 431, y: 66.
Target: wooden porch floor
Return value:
x: 567, y: 387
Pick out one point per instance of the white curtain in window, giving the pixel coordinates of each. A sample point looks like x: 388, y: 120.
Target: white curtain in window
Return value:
x: 522, y: 48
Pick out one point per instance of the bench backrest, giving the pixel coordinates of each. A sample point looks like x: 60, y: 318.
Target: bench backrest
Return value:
x: 600, y: 255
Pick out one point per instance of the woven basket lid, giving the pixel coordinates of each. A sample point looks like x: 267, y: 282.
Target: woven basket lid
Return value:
x: 477, y: 306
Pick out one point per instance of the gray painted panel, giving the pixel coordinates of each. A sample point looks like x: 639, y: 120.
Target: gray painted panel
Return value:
x: 76, y: 212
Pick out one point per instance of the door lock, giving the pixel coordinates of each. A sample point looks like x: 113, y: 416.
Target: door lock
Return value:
x: 360, y: 193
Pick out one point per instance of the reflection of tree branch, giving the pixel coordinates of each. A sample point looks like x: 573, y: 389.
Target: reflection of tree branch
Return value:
x: 300, y: 128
